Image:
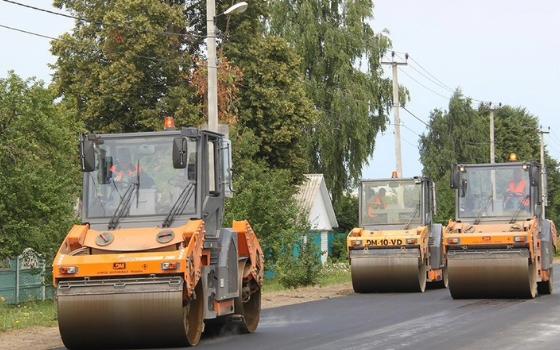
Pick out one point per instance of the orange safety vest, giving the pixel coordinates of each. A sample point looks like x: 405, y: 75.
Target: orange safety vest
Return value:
x: 375, y: 203
x: 121, y: 174
x: 518, y: 188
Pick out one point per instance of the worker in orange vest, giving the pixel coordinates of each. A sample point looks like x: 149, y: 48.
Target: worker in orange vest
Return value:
x: 517, y: 191
x: 376, y: 202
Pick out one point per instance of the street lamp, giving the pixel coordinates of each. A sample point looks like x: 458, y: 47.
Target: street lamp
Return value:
x: 238, y: 8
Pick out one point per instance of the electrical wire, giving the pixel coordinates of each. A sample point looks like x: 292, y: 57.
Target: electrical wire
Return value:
x: 83, y: 19
x: 414, y: 116
x: 28, y: 32
x: 424, y: 86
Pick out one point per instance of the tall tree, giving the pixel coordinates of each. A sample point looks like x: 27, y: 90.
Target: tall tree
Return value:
x: 458, y: 135
x: 38, y: 168
x: 341, y: 62
x: 126, y: 64
x: 274, y: 105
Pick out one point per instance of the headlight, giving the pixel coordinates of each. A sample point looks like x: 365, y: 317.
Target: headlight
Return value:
x: 357, y: 243
x: 453, y: 240
x: 68, y: 270
x: 411, y: 241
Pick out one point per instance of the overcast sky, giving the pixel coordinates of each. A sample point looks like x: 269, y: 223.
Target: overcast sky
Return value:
x: 501, y: 51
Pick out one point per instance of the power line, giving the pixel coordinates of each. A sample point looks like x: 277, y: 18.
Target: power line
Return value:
x: 58, y: 39
x: 28, y: 32
x: 83, y: 19
x: 415, y: 117
x: 435, y: 82
x: 425, y: 87
x: 431, y: 75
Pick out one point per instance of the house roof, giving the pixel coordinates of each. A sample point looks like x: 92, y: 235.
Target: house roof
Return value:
x: 313, y: 186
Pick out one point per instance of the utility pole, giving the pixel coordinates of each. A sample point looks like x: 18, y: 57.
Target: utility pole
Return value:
x: 212, y: 66
x: 492, y: 144
x: 544, y: 196
x: 493, y: 151
x: 396, y: 108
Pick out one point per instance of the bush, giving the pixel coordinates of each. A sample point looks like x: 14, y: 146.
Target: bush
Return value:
x: 301, y: 270
x: 339, y: 250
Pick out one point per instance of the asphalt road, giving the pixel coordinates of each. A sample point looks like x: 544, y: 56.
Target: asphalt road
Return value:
x: 431, y: 320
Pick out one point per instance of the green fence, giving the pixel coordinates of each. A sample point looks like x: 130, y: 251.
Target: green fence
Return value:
x: 23, y: 279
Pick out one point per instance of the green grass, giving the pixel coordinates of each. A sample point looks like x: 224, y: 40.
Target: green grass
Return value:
x: 25, y: 315
x: 331, y: 274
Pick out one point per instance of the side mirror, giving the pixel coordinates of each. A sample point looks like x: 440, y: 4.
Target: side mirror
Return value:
x: 180, y: 153
x: 87, y: 154
x: 455, y: 176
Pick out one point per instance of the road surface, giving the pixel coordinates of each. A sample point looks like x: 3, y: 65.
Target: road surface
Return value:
x: 431, y: 320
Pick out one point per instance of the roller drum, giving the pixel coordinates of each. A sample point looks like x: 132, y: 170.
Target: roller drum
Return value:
x: 387, y: 270
x: 122, y: 313
x: 491, y: 274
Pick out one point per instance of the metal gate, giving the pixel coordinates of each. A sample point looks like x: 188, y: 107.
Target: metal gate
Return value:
x: 23, y: 278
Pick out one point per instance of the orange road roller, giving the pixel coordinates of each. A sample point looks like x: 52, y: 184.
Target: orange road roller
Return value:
x: 151, y: 262
x: 500, y: 244
x: 397, y: 247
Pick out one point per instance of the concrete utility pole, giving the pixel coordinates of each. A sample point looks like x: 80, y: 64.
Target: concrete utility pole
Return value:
x: 396, y: 108
x: 212, y: 66
x: 544, y: 196
x: 492, y: 144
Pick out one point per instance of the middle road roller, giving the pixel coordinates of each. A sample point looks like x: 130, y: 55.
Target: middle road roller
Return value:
x: 397, y: 247
x: 500, y: 245
x: 151, y: 262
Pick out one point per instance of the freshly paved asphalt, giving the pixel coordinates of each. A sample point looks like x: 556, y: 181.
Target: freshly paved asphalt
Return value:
x: 431, y: 320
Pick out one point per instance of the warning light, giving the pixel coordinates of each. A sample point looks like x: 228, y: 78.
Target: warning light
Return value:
x: 169, y: 123
x: 68, y: 270
x: 166, y: 266
x: 513, y: 157
x: 394, y: 175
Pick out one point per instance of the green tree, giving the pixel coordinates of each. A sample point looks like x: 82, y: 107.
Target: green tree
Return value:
x: 458, y: 135
x: 38, y: 168
x: 265, y: 197
x: 341, y: 63
x: 126, y: 65
x: 274, y: 105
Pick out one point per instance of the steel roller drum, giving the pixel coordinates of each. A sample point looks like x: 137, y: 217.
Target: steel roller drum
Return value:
x: 387, y: 270
x: 491, y: 274
x: 121, y: 313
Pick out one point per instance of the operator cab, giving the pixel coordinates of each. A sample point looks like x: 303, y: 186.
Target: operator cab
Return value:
x: 158, y: 179
x: 395, y: 204
x: 497, y: 192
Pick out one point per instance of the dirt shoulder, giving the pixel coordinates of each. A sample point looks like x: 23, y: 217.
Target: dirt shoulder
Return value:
x: 42, y: 338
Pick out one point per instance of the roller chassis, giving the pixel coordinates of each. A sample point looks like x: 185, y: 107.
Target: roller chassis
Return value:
x: 216, y: 273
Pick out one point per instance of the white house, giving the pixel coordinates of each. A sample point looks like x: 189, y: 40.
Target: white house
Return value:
x: 314, y: 198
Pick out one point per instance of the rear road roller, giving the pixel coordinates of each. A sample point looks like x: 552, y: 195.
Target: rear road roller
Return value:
x: 500, y: 245
x: 397, y: 247
x: 151, y: 264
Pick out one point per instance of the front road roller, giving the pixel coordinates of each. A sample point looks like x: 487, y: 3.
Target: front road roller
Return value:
x: 397, y: 248
x: 500, y: 246
x: 151, y: 264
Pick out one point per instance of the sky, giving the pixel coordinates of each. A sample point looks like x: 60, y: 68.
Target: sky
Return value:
x: 501, y: 51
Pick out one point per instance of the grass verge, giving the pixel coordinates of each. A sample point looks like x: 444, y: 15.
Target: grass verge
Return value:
x: 42, y: 313
x: 336, y: 273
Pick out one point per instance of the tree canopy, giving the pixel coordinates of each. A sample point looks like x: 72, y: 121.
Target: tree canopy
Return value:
x: 38, y: 168
x: 341, y: 63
